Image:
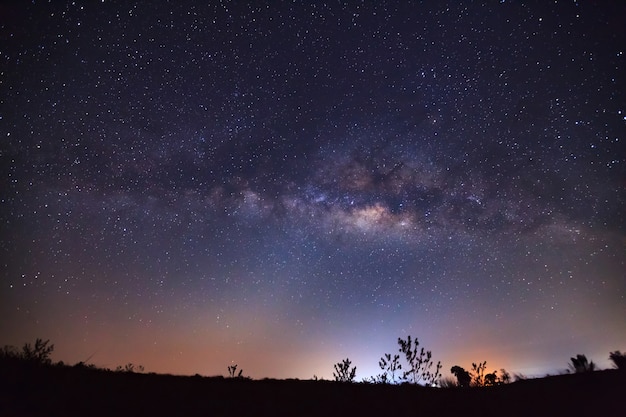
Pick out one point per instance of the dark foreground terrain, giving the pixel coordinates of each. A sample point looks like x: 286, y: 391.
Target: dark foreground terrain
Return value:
x: 80, y: 391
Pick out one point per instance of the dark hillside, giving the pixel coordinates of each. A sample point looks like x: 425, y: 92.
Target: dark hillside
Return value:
x: 74, y: 391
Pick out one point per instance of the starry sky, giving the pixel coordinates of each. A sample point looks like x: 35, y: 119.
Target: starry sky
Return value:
x: 280, y: 185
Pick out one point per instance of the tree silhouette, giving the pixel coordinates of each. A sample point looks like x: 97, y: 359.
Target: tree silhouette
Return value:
x: 580, y: 364
x: 619, y: 360
x: 419, y: 364
x: 343, y: 372
x: 462, y: 376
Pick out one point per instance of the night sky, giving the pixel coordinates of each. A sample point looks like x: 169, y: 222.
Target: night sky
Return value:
x: 284, y: 185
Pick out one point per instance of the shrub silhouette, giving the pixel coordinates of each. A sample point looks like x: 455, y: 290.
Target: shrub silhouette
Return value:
x: 232, y: 372
x: 389, y: 366
x: 478, y: 371
x: 39, y: 353
x: 491, y: 379
x: 419, y: 364
x: 477, y: 377
x: 506, y: 377
x: 9, y: 352
x: 580, y: 364
x: 619, y: 360
x: 343, y: 372
x: 462, y: 376
x: 129, y: 368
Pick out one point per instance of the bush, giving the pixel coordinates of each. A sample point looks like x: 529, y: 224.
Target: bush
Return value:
x: 580, y: 364
x: 39, y: 353
x: 462, y: 376
x: 389, y: 366
x: 619, y: 360
x: 9, y: 352
x: 478, y: 371
x: 419, y: 365
x: 232, y: 372
x: 343, y: 372
x: 129, y: 368
x: 477, y: 377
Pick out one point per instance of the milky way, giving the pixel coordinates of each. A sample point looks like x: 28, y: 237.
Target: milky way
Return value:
x: 283, y: 185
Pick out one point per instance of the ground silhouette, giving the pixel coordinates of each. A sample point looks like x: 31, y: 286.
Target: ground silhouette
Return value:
x: 28, y: 389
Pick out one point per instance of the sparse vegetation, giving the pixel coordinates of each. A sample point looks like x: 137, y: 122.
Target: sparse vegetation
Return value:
x: 343, y: 372
x: 491, y: 379
x: 478, y: 371
x: 477, y: 377
x: 619, y: 360
x: 389, y: 365
x: 419, y: 365
x: 130, y: 368
x: 463, y: 377
x: 8, y: 352
x: 505, y: 377
x: 76, y: 390
x: 232, y: 372
x: 580, y: 364
x: 82, y: 364
x: 39, y: 353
